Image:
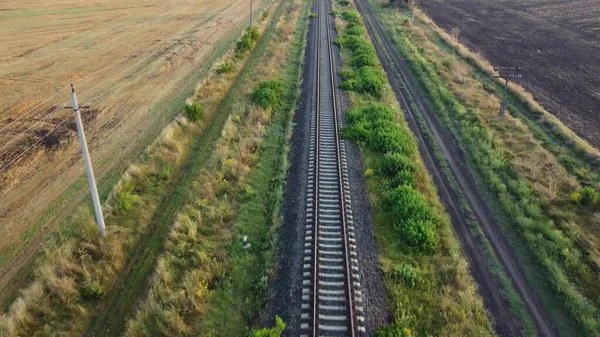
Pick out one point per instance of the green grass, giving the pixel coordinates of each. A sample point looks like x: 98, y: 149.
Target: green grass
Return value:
x: 136, y: 197
x: 160, y: 115
x: 232, y: 290
x: 424, y: 272
x: 551, y: 249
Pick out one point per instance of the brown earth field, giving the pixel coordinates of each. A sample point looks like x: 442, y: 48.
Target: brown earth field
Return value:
x: 556, y: 42
x: 135, y: 61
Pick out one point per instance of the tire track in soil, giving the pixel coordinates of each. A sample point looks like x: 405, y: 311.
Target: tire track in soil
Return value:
x: 405, y: 91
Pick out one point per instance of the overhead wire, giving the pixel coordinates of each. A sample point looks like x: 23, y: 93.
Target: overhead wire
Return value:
x: 106, y: 80
x: 95, y: 98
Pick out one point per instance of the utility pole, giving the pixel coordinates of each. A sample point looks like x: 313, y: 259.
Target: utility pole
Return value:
x: 507, y: 73
x: 251, y: 13
x: 413, y: 6
x: 88, y: 163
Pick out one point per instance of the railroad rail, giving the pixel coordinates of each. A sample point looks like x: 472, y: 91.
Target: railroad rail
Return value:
x: 331, y: 295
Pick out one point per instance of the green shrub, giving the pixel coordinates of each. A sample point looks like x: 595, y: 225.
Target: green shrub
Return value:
x: 588, y: 196
x: 247, y: 41
x: 393, y: 330
x: 393, y: 162
x: 125, y: 201
x: 93, y: 290
x: 266, y: 95
x: 351, y: 42
x: 364, y: 56
x: 194, y: 112
x: 413, y: 218
x: 355, y: 30
x: 226, y: 68
x: 575, y: 197
x: 351, y: 17
x: 275, y: 331
x: 344, y: 3
x: 312, y: 15
x: 367, y: 80
x: 407, y: 275
x: 165, y: 173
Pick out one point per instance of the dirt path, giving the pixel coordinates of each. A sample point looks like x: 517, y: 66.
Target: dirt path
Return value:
x: 406, y: 91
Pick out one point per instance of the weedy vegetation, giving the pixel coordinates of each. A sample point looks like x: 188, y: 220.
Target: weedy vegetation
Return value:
x: 542, y: 184
x: 78, y: 273
x: 429, y: 288
x: 206, y: 283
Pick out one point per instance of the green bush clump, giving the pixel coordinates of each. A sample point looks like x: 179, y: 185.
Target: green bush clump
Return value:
x: 575, y: 197
x: 588, y: 196
x: 225, y: 68
x: 393, y: 162
x: 351, y: 17
x: 364, y: 56
x: 366, y: 80
x: 344, y: 3
x: 275, y: 331
x: 351, y: 42
x: 375, y: 125
x: 365, y: 76
x: 247, y: 41
x: 414, y: 218
x: 355, y: 30
x: 93, y: 290
x: 407, y: 275
x: 394, y: 330
x: 312, y: 15
x: 194, y: 112
x: 267, y: 94
x: 125, y: 201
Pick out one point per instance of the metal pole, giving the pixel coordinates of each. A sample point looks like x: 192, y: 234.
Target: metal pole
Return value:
x: 503, y: 104
x: 88, y: 165
x: 251, y: 13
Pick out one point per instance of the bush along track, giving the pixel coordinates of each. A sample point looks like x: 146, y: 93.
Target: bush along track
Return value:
x: 429, y: 288
x: 78, y: 274
x: 207, y: 283
x: 535, y: 185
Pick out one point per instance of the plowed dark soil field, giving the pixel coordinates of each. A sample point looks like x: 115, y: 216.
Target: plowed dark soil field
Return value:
x: 557, y: 42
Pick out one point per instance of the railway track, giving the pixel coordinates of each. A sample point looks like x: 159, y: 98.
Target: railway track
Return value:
x: 331, y: 295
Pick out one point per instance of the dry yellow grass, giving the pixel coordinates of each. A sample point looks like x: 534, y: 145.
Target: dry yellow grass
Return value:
x: 526, y: 97
x: 38, y: 48
x: 84, y: 263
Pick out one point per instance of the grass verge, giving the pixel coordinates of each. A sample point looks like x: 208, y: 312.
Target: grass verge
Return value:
x: 429, y: 288
x: 80, y: 271
x: 531, y: 184
x: 206, y: 283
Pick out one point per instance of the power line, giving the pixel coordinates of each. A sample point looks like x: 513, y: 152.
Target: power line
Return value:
x: 34, y: 144
x: 98, y: 71
x: 95, y: 98
x: 94, y: 87
x: 507, y: 73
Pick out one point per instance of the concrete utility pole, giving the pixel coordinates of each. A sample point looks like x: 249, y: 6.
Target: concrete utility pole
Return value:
x: 88, y: 164
x: 413, y: 6
x: 251, y: 13
x: 507, y: 73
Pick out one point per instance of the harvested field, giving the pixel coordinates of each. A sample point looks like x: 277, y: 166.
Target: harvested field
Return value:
x: 135, y: 61
x: 557, y: 42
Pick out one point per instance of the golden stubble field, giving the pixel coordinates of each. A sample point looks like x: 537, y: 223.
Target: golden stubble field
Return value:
x: 125, y: 57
